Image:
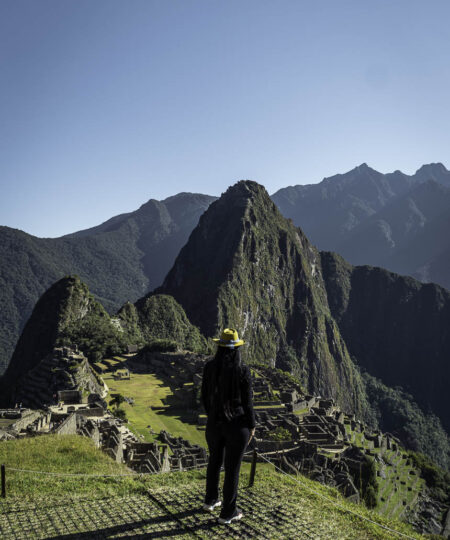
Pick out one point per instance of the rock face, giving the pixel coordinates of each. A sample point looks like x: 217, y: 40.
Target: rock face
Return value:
x: 395, y: 221
x: 121, y: 259
x: 396, y: 327
x: 247, y: 267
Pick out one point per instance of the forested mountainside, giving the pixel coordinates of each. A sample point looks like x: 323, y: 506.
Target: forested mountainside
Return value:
x: 395, y: 221
x: 397, y: 330
x: 120, y: 260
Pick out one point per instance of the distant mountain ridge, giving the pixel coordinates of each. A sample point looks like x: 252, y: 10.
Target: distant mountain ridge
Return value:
x: 393, y: 220
x: 120, y: 260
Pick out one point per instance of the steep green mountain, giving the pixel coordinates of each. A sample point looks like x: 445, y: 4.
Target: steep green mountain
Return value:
x: 248, y: 267
x: 397, y: 328
x: 66, y: 310
x: 120, y: 260
x: 396, y: 221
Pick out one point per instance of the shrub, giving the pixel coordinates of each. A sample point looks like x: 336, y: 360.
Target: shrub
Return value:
x: 161, y: 345
x: 120, y: 413
x: 370, y: 497
x: 279, y: 434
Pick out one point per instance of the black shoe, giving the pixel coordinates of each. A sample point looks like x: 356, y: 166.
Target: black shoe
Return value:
x: 235, y: 517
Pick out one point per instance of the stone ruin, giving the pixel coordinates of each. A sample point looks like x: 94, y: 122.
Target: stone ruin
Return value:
x: 185, y: 455
x: 65, y: 369
x: 320, y: 442
x: 318, y: 445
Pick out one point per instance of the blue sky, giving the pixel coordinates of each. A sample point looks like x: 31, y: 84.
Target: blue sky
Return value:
x: 106, y: 104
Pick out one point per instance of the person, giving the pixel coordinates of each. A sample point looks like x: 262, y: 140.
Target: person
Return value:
x: 227, y: 397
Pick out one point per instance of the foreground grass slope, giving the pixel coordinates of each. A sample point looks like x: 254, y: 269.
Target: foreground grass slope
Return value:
x: 317, y: 506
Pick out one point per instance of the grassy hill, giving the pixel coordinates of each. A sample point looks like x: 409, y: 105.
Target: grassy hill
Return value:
x: 278, y: 506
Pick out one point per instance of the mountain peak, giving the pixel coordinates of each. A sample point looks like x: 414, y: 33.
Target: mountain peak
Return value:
x: 434, y: 171
x: 247, y: 267
x: 243, y: 190
x: 435, y: 167
x: 65, y: 303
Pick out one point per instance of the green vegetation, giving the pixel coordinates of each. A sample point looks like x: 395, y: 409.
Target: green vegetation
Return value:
x: 119, y: 260
x: 399, y: 414
x: 163, y: 321
x: 399, y: 486
x: 436, y: 478
x: 366, y: 480
x: 396, y: 329
x: 115, y: 402
x: 95, y: 335
x: 162, y: 345
x: 59, y: 454
x: 152, y: 408
x: 300, y: 497
x: 279, y: 434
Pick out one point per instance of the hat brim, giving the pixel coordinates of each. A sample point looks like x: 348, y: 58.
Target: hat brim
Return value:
x: 229, y: 345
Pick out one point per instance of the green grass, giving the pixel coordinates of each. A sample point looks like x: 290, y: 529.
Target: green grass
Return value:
x: 302, y: 412
x: 315, y: 503
x: 149, y: 391
x: 392, y: 506
x: 60, y: 454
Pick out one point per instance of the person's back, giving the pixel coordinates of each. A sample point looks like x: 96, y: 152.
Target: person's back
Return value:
x: 227, y: 398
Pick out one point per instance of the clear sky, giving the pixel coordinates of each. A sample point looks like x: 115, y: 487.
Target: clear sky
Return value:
x: 106, y: 104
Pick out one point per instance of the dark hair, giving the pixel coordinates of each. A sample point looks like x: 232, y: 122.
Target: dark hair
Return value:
x: 227, y: 380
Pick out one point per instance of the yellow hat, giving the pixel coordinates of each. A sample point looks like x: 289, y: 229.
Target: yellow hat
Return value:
x: 229, y: 339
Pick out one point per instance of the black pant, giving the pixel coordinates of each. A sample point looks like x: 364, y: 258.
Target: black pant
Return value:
x: 229, y: 438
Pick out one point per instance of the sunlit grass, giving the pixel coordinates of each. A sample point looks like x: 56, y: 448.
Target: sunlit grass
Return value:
x: 148, y: 393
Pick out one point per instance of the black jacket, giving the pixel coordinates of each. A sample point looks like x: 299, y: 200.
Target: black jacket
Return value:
x: 242, y: 404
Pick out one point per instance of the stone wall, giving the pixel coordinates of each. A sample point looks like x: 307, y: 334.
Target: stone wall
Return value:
x: 67, y: 426
x: 28, y: 417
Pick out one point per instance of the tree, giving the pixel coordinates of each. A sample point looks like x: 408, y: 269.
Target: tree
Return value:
x: 117, y: 401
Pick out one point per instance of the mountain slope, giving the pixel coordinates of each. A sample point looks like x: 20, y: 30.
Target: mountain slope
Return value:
x: 246, y: 266
x: 397, y: 328
x: 65, y: 306
x: 120, y: 260
x: 396, y: 221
